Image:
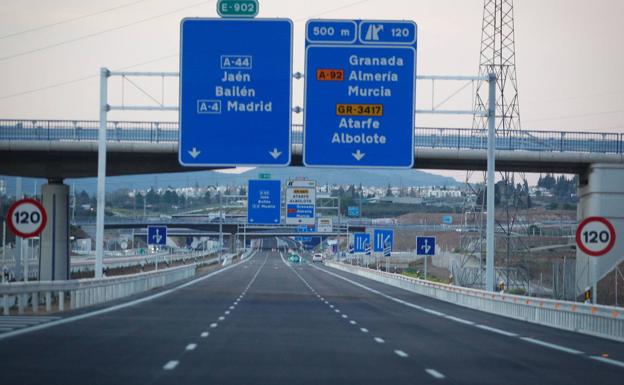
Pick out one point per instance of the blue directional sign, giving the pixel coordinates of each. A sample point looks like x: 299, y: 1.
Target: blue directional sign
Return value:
x: 425, y: 245
x: 235, y: 92
x: 359, y: 93
x: 157, y: 235
x: 361, y: 242
x: 264, y: 202
x: 383, y: 239
x: 353, y: 211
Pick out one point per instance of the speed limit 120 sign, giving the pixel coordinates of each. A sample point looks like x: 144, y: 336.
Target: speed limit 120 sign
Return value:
x: 26, y: 218
x: 595, y: 236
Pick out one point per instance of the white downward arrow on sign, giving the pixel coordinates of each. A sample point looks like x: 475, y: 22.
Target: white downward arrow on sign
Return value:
x: 275, y: 154
x: 358, y: 155
x: 426, y: 247
x: 194, y: 153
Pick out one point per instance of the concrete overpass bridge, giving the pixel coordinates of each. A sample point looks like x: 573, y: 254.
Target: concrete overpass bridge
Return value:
x: 57, y: 149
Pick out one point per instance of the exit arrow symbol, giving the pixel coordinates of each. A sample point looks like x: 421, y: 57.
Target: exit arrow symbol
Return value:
x: 275, y: 154
x: 194, y: 153
x: 426, y: 247
x: 358, y: 155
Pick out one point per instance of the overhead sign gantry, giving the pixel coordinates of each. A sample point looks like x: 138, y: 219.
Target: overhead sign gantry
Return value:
x: 359, y: 93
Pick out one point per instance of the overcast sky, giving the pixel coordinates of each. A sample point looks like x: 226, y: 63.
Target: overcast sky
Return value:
x: 570, y: 56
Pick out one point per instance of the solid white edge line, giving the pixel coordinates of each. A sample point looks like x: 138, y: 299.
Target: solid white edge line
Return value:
x: 435, y: 374
x: 495, y: 330
x: 552, y: 346
x: 460, y: 320
x: 608, y: 361
x: 171, y: 365
x: 122, y: 305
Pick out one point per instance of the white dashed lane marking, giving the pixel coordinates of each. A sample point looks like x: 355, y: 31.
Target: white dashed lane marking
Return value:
x: 213, y: 325
x: 170, y: 365
x: 401, y: 353
x: 379, y: 340
x: 353, y: 322
x: 364, y: 330
x: 191, y: 346
x: 204, y: 334
x: 435, y: 374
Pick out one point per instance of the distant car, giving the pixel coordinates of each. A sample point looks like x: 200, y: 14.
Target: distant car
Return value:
x: 317, y: 257
x: 294, y: 258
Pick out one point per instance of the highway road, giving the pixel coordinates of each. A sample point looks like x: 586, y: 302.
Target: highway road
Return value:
x: 265, y: 321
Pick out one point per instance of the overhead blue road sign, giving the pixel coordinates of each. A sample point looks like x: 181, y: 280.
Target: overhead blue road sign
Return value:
x: 359, y: 94
x: 383, y: 239
x: 361, y: 242
x: 425, y: 245
x: 235, y: 92
x: 157, y: 235
x: 353, y: 211
x: 264, y: 202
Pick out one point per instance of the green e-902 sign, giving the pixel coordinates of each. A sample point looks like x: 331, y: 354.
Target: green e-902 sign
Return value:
x: 237, y: 8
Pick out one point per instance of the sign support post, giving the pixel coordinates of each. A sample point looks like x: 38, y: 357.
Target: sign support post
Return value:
x: 491, y: 162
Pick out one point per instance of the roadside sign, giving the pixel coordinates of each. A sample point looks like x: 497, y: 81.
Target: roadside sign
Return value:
x: 237, y: 8
x: 353, y: 211
x: 26, y: 218
x: 595, y: 236
x: 361, y: 242
x: 325, y: 225
x: 157, y: 235
x: 447, y: 219
x: 235, y: 92
x: 301, y: 202
x: 383, y: 239
x: 359, y: 93
x: 425, y: 245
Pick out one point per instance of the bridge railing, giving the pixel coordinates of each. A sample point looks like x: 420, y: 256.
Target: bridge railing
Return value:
x: 597, y: 320
x: 424, y: 137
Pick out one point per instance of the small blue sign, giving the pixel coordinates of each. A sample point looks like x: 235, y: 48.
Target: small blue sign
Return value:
x: 235, y: 92
x: 353, y: 211
x: 305, y: 229
x: 447, y: 219
x: 383, y: 239
x: 361, y: 242
x: 264, y: 202
x: 360, y: 95
x: 425, y: 245
x: 157, y: 235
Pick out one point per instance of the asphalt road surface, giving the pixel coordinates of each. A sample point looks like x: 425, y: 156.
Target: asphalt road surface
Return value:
x: 266, y: 321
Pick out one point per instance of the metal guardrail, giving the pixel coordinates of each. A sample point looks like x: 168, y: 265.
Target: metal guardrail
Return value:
x: 596, y: 320
x: 90, y: 291
x: 425, y: 137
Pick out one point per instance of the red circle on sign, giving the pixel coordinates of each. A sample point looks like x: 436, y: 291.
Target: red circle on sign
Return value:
x: 581, y: 245
x: 15, y: 206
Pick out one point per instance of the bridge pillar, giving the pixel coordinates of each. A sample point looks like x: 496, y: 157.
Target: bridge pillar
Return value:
x: 54, y: 249
x: 601, y: 193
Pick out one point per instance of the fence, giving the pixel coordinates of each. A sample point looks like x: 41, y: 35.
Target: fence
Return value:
x: 596, y: 320
x: 425, y: 137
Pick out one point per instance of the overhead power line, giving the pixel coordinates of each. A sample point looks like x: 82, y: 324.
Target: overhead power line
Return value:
x: 83, y: 37
x: 39, y: 28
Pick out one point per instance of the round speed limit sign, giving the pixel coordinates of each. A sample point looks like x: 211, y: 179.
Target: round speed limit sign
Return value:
x: 26, y: 218
x: 595, y: 236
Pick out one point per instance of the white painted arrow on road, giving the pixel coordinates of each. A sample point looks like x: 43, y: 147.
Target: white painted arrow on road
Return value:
x: 275, y: 154
x: 358, y: 155
x: 194, y: 153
